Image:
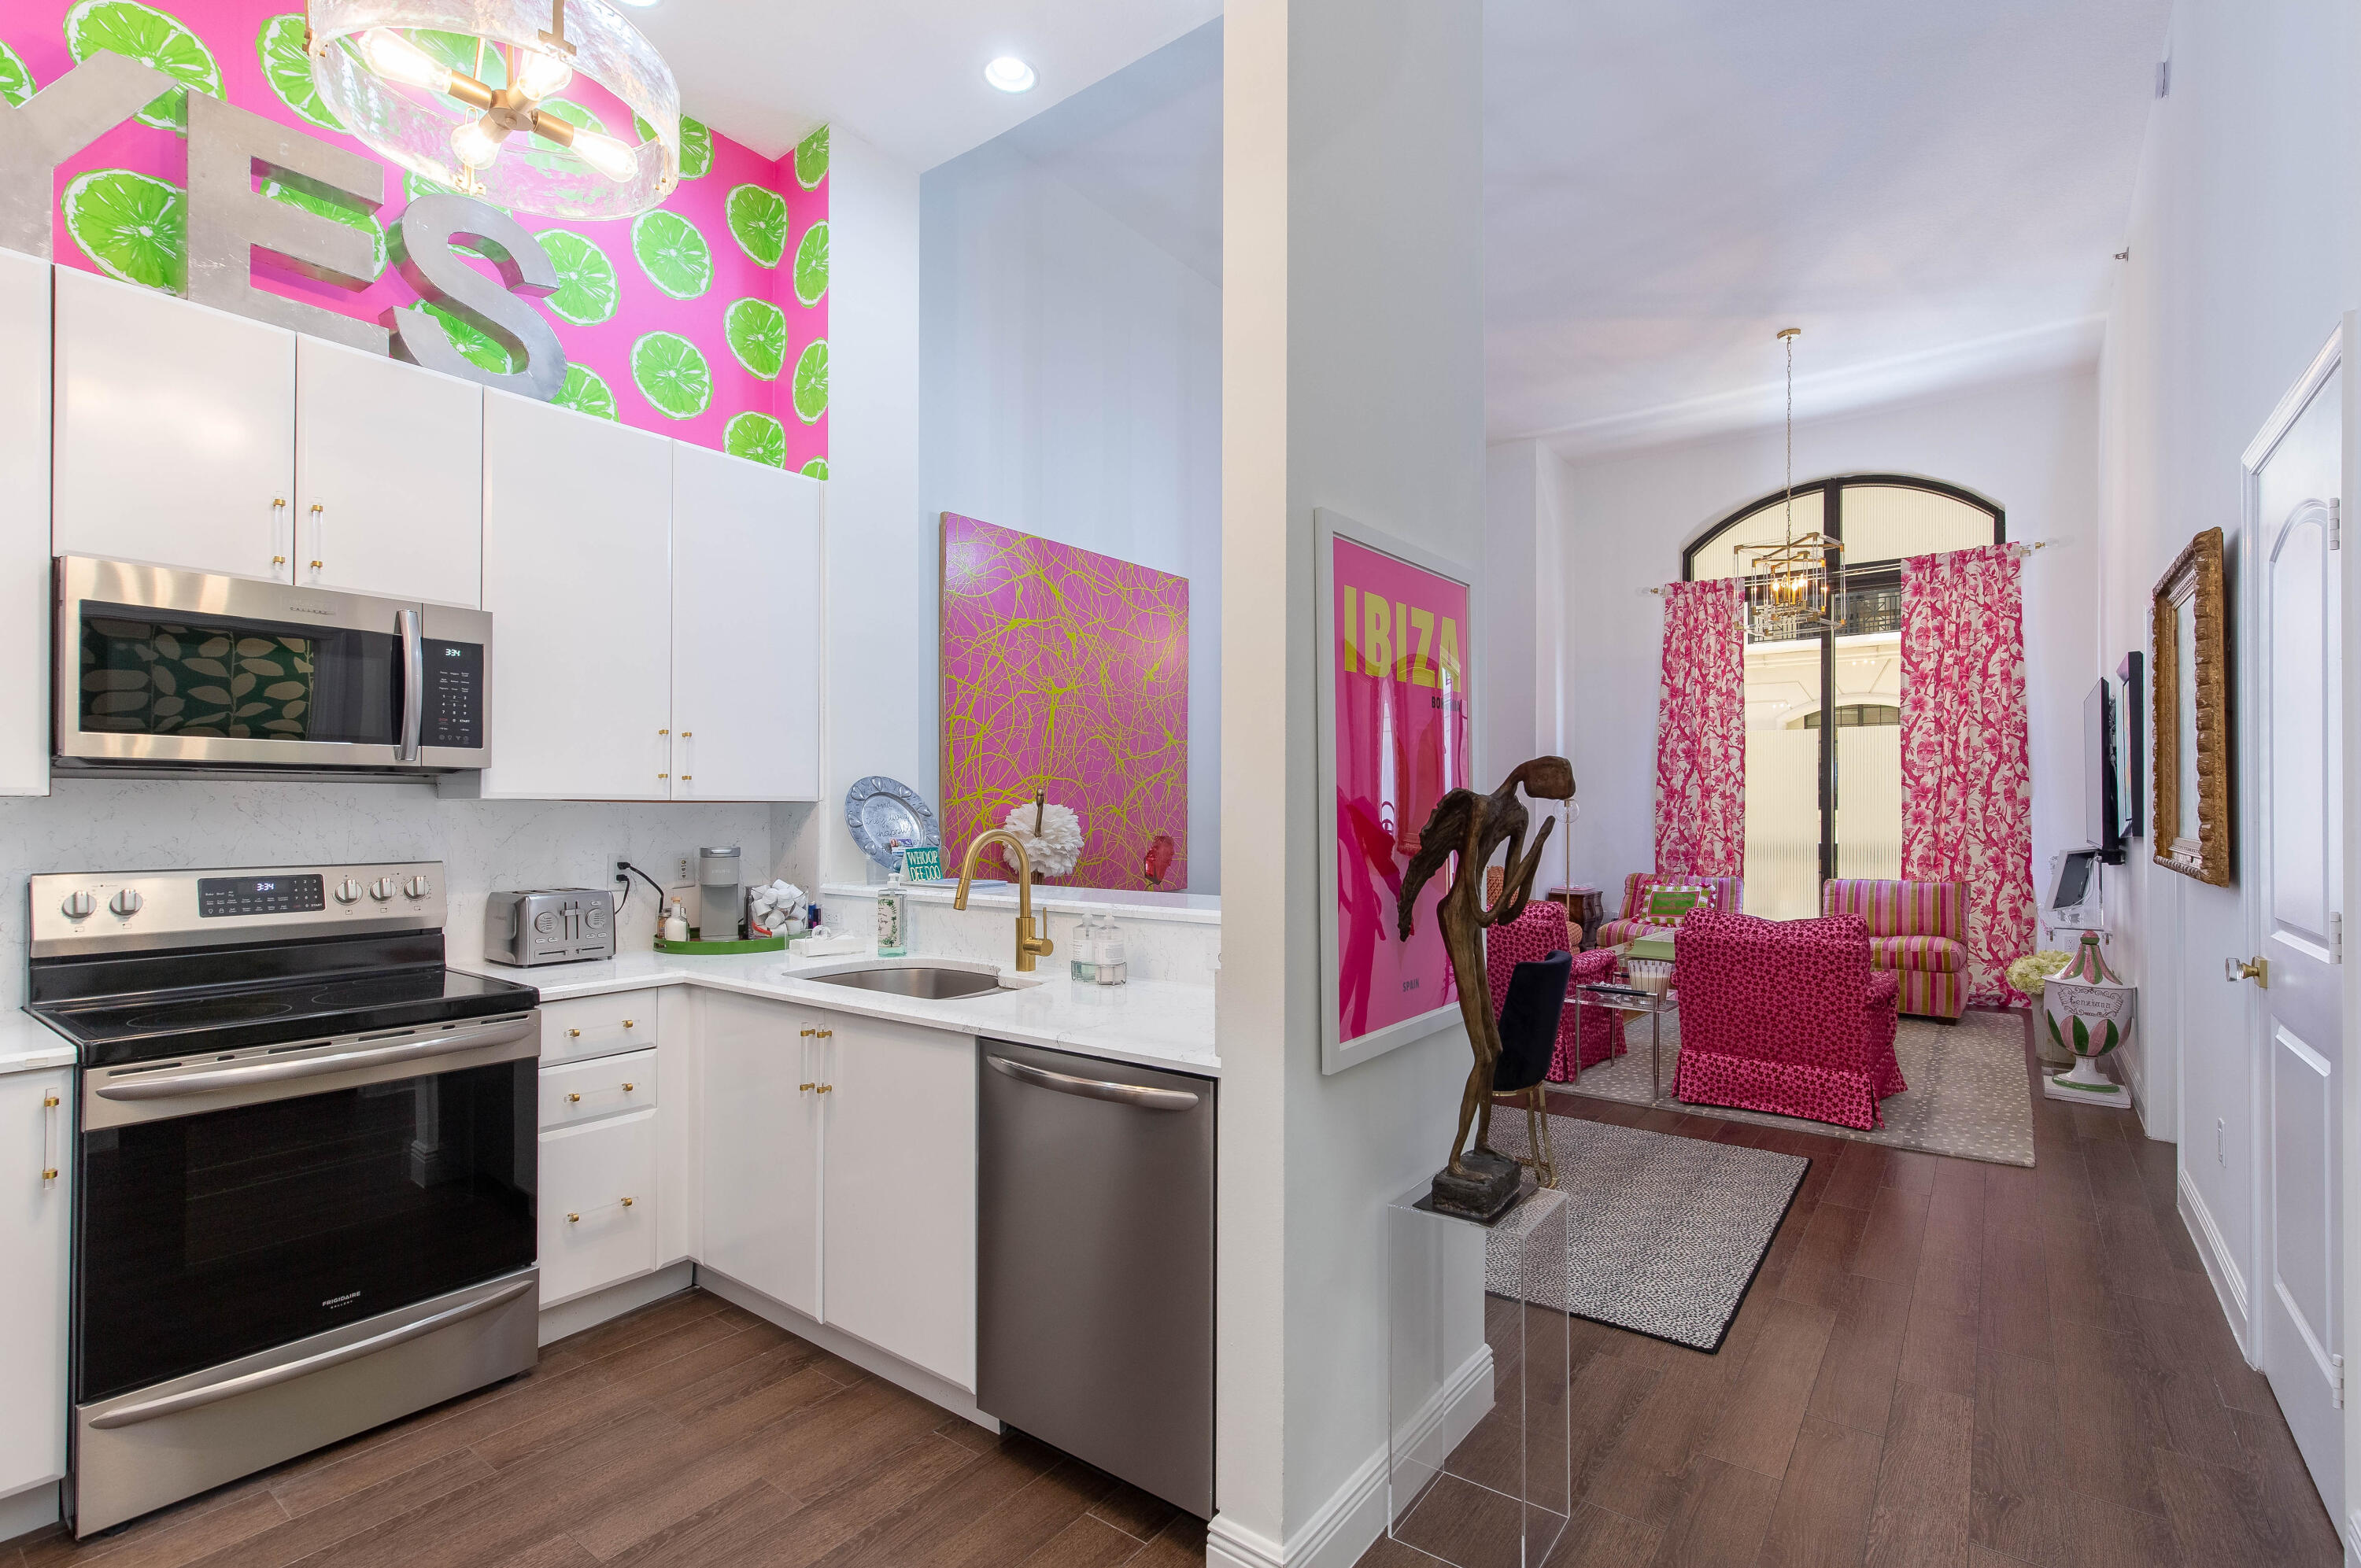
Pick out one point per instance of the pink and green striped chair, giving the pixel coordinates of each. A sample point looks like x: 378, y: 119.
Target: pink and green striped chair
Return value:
x: 1917, y: 930
x: 1727, y: 894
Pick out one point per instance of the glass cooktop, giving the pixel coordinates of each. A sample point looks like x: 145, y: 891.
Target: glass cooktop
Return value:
x: 151, y: 1025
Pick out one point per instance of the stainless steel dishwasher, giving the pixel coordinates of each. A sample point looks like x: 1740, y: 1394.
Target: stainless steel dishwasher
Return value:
x: 1095, y: 1263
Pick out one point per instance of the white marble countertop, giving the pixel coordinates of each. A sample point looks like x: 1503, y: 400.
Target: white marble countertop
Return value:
x: 1190, y: 908
x: 27, y: 1044
x: 1149, y: 1022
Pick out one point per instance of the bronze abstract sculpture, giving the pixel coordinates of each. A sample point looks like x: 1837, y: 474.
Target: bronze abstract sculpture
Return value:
x: 1480, y: 1182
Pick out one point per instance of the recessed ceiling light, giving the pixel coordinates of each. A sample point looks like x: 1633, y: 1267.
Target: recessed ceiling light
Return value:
x: 1010, y: 74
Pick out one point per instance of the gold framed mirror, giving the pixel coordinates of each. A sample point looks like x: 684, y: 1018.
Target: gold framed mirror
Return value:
x: 2190, y: 759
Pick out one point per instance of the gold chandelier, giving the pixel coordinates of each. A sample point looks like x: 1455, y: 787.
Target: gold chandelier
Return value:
x: 1795, y: 587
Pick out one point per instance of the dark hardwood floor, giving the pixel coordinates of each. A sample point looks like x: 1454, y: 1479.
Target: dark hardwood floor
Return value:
x: 1942, y: 1363
x: 688, y: 1433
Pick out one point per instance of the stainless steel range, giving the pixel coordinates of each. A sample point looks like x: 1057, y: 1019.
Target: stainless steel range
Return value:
x: 306, y: 1152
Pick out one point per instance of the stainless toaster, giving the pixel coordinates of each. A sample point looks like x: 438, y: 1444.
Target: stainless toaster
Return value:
x: 549, y: 926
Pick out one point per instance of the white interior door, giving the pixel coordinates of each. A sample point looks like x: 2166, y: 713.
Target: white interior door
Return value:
x: 2298, y: 483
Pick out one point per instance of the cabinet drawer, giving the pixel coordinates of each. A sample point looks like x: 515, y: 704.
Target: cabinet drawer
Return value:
x: 592, y: 1090
x: 597, y: 1204
x: 598, y: 1026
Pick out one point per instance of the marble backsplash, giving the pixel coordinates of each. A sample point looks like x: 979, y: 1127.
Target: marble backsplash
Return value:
x: 174, y: 824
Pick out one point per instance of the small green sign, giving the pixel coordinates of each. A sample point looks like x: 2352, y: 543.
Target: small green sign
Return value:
x: 923, y: 863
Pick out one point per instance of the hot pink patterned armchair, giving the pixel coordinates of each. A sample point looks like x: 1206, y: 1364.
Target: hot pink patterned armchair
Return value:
x: 1543, y: 929
x: 1725, y: 893
x: 1785, y: 1017
x: 1918, y: 930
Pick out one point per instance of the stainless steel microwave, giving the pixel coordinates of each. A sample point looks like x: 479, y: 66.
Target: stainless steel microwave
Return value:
x: 165, y: 670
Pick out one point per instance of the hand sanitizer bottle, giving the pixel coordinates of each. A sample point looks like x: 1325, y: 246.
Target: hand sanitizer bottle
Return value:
x: 1081, y: 968
x: 1114, y: 959
x: 892, y: 922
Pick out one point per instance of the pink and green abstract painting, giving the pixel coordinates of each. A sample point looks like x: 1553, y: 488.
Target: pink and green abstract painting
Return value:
x: 705, y: 320
x: 1066, y: 670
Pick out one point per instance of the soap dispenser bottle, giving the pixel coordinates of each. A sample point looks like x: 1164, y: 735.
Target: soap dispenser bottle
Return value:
x: 893, y: 919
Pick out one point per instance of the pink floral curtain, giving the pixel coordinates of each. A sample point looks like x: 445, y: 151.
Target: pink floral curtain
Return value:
x: 1967, y: 792
x: 1701, y: 732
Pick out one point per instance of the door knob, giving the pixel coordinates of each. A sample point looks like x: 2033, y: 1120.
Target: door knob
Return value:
x: 2257, y: 969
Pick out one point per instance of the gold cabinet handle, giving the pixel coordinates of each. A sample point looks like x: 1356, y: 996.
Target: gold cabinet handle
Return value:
x: 825, y: 1034
x: 629, y: 1201
x: 804, y: 1087
x: 573, y: 1219
x: 663, y: 731
x: 663, y: 775
x: 627, y: 1023
x: 808, y: 1031
x: 317, y: 564
x: 688, y: 734
x: 627, y: 1089
x: 826, y: 1088
x: 279, y: 560
x: 574, y: 1099
x: 573, y: 1034
x: 686, y: 777
x: 50, y: 1103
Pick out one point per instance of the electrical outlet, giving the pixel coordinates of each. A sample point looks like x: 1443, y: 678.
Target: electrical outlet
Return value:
x: 615, y: 872
x: 682, y: 875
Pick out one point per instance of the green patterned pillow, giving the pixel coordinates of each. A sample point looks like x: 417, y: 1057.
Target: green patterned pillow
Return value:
x: 1669, y: 904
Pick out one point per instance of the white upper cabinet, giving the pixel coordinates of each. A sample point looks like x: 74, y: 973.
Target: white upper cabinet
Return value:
x: 389, y: 477
x: 745, y: 630
x: 24, y: 522
x: 175, y: 435
x: 578, y: 576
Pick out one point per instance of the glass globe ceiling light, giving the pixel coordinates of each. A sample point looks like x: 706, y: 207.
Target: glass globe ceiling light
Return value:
x: 457, y: 91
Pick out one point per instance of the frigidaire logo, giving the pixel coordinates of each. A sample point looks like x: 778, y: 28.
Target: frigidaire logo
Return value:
x: 347, y: 1299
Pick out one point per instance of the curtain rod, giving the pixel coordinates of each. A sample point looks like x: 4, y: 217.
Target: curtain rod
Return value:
x: 2022, y: 549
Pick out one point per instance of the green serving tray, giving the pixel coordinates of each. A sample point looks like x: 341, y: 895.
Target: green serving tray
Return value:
x: 751, y: 945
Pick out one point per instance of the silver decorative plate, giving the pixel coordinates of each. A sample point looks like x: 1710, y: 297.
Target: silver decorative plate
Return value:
x: 882, y: 812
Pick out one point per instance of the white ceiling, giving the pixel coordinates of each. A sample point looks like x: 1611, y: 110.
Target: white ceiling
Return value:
x: 906, y: 75
x: 1934, y: 192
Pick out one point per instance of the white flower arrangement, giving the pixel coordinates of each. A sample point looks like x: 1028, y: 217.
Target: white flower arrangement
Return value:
x: 1057, y: 847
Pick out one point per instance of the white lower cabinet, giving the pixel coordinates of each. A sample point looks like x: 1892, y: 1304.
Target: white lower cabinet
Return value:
x: 898, y: 1192
x: 599, y: 1203
x: 35, y: 1124
x: 762, y: 1148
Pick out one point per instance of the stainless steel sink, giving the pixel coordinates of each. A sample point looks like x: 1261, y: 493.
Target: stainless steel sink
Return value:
x: 932, y: 984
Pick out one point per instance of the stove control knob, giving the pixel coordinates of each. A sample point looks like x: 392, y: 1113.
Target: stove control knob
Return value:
x: 417, y: 887
x: 348, y: 890
x: 127, y: 901
x: 78, y: 906
x: 381, y: 889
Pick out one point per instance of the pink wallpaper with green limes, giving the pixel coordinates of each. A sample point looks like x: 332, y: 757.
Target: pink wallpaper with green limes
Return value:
x: 705, y: 320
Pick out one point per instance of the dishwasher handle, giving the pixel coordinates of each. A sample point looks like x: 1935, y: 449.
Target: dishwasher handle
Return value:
x: 1146, y: 1099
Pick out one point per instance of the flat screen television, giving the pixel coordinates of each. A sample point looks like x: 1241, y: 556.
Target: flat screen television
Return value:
x: 2101, y: 791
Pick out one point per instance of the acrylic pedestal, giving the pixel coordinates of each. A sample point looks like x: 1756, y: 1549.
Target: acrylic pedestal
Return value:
x: 1476, y: 1472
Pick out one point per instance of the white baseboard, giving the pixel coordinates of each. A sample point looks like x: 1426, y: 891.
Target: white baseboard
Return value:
x: 571, y: 1317
x: 928, y: 1385
x: 2229, y: 1285
x: 36, y: 1507
x: 1354, y: 1516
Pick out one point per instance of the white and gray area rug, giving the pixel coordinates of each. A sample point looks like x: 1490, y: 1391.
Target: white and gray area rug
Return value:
x: 1968, y: 1094
x: 1664, y: 1234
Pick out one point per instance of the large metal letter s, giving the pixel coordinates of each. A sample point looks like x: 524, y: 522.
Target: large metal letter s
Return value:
x: 423, y: 249
x: 229, y: 220
x: 55, y: 123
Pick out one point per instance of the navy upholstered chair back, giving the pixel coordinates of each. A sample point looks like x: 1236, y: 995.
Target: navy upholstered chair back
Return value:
x: 1529, y: 1019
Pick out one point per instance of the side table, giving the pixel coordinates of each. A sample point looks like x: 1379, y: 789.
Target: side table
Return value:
x: 1587, y: 907
x: 1631, y: 999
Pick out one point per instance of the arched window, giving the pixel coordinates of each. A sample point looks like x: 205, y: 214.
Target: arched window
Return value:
x: 1825, y: 799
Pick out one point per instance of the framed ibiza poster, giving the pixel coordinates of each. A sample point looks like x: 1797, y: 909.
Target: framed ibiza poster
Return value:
x: 1396, y: 735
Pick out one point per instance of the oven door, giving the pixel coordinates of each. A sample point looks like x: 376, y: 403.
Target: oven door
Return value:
x: 229, y: 1209
x: 161, y: 668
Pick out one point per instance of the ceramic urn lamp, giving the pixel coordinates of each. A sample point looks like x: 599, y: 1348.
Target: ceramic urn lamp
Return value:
x: 2087, y: 1011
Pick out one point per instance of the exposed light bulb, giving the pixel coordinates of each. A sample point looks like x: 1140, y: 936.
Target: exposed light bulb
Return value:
x: 476, y: 144
x: 608, y: 156
x: 540, y: 75
x: 1010, y: 74
x: 396, y: 59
